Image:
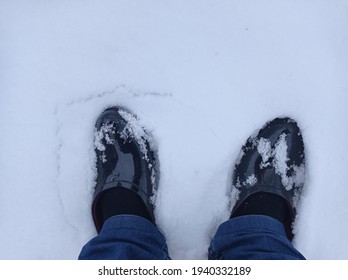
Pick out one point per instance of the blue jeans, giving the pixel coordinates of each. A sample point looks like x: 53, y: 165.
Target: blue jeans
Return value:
x: 251, y: 237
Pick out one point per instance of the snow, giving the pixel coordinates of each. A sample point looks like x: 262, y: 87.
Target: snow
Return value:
x: 265, y: 150
x: 135, y: 130
x: 251, y: 180
x: 201, y: 76
x: 280, y: 158
x: 100, y: 135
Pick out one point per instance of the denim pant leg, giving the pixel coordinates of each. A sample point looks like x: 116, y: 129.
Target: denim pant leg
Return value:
x: 252, y: 237
x: 126, y: 237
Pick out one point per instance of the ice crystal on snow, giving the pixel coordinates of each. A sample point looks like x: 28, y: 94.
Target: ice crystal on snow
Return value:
x: 251, y: 180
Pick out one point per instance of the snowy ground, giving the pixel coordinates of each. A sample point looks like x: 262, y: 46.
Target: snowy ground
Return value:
x: 202, y: 76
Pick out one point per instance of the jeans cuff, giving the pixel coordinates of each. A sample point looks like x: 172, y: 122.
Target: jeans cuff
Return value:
x: 251, y: 223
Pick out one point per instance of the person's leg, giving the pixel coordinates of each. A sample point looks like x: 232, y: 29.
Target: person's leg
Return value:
x: 252, y: 237
x: 267, y: 182
x: 122, y: 207
x: 126, y: 237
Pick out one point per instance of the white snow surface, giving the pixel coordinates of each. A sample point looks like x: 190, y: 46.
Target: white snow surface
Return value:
x: 201, y: 76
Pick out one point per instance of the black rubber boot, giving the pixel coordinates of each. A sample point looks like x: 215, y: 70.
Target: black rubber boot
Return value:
x: 273, y: 162
x: 126, y: 167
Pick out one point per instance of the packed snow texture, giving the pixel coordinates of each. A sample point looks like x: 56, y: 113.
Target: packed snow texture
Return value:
x: 201, y: 76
